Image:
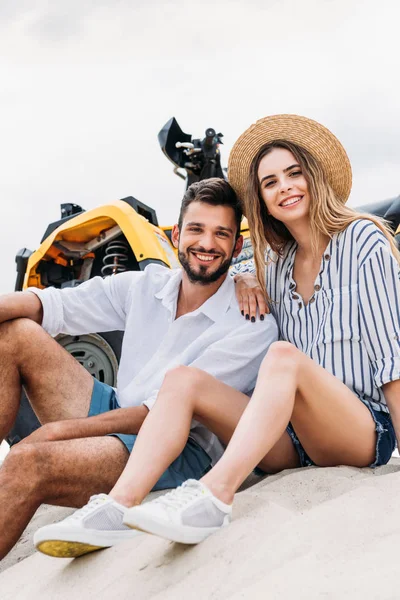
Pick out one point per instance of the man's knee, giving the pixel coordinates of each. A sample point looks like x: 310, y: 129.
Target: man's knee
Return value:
x: 27, y: 465
x: 15, y: 333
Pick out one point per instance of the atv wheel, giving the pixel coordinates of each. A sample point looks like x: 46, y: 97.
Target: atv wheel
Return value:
x: 94, y: 353
x: 97, y: 353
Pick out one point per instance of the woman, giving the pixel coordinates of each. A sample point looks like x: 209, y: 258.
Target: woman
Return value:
x: 323, y: 392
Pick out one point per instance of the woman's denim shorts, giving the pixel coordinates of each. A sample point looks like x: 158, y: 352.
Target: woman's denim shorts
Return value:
x: 385, y: 440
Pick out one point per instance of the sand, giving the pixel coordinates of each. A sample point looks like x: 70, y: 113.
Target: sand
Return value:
x: 305, y: 533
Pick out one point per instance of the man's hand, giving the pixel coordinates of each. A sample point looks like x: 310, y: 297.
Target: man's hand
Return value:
x: 21, y: 305
x: 121, y: 420
x: 250, y: 296
x: 50, y: 432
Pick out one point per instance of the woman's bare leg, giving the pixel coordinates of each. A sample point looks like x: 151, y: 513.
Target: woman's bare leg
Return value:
x: 333, y: 425
x: 187, y: 393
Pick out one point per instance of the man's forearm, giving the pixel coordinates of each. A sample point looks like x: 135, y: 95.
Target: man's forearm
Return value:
x: 121, y: 420
x: 392, y: 395
x: 21, y: 304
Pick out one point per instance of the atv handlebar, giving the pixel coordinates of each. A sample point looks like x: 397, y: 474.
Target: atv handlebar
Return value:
x: 199, y: 157
x: 184, y: 145
x: 210, y: 136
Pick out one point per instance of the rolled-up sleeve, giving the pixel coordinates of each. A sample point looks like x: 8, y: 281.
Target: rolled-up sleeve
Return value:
x: 96, y: 305
x: 379, y: 304
x: 151, y: 400
x: 247, y: 266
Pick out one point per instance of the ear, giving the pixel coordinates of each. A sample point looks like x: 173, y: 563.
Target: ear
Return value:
x: 175, y: 236
x: 238, y: 246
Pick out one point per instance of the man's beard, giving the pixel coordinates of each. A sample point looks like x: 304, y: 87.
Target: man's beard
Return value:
x: 202, y: 276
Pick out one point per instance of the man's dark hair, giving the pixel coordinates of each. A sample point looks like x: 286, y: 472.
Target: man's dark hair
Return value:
x: 214, y: 191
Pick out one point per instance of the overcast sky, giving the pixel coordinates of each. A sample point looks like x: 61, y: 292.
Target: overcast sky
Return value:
x: 86, y: 86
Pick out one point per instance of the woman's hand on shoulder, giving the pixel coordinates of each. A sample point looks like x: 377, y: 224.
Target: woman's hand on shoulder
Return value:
x: 250, y: 296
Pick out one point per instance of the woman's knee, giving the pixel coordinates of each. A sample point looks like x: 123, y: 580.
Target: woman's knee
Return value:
x: 188, y: 380
x: 282, y: 356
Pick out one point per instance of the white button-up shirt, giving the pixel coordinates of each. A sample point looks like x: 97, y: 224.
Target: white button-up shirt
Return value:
x: 214, y: 338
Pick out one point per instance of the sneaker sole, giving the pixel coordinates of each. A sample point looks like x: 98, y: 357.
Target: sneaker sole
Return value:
x: 186, y: 535
x: 71, y: 544
x: 61, y: 549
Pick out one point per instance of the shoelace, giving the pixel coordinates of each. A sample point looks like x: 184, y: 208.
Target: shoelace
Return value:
x: 93, y: 503
x: 181, y: 496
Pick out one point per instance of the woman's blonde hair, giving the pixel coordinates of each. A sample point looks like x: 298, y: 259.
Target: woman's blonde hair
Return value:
x: 328, y: 214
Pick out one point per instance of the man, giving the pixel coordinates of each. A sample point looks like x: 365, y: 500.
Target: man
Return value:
x: 188, y: 316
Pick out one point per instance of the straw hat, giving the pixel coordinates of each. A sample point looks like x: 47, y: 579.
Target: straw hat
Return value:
x: 308, y: 134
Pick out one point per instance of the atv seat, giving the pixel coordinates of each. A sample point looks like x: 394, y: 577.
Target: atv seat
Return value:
x: 387, y: 209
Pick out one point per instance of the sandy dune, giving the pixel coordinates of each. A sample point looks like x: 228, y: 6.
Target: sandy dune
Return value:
x: 307, y: 533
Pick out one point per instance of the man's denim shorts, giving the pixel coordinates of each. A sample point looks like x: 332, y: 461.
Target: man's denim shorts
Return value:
x: 385, y: 440
x: 193, y: 463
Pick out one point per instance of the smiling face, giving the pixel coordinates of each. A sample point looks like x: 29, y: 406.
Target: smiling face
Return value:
x: 283, y: 186
x: 207, y: 241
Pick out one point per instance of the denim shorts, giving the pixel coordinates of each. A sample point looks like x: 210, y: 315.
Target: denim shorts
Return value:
x: 385, y: 440
x: 192, y: 463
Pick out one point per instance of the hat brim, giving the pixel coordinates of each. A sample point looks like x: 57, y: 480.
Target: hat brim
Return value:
x: 310, y: 135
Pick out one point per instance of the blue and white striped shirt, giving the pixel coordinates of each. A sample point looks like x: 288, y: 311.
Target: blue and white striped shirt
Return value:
x: 351, y: 325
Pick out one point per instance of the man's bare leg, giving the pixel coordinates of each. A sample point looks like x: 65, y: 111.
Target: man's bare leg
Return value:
x: 64, y: 473
x: 57, y: 386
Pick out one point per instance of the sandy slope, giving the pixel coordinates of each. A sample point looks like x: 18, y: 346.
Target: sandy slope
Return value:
x: 44, y: 516
x: 309, y: 533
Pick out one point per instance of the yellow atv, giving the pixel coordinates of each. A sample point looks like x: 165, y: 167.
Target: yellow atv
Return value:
x: 119, y: 236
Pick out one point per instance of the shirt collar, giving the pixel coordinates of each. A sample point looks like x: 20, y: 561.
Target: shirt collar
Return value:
x: 213, y: 308
x: 169, y: 293
x: 291, y: 255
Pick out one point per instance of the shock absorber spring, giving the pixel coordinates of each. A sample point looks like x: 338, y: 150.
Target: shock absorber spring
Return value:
x: 117, y: 253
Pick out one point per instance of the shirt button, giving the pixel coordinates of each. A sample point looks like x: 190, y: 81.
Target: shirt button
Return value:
x: 317, y: 288
x: 311, y: 300
x: 327, y: 256
x: 300, y: 304
x: 295, y: 297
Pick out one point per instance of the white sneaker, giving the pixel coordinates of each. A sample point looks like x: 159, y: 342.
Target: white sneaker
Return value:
x: 188, y: 514
x: 98, y: 524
